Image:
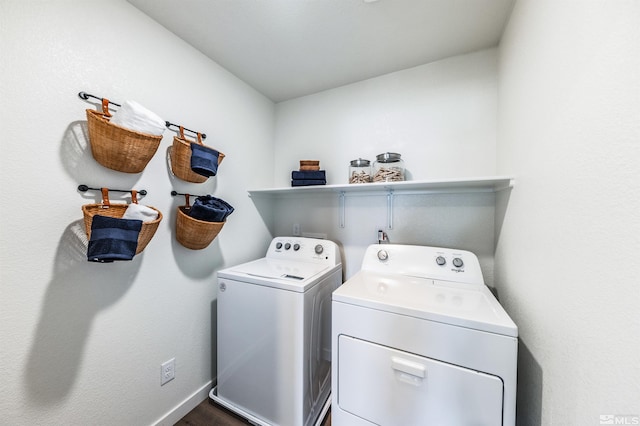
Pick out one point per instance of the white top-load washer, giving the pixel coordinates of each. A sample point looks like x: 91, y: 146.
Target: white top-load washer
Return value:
x: 274, y: 333
x: 419, y: 339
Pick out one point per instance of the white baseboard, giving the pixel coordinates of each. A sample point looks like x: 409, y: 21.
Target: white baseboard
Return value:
x: 185, y: 406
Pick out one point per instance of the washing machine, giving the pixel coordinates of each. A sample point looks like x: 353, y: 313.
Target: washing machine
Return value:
x: 274, y: 333
x: 419, y: 339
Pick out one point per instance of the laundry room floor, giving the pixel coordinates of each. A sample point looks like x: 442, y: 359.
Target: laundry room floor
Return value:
x: 207, y: 413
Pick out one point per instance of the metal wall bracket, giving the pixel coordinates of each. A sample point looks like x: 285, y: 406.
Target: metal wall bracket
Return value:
x: 390, y: 209
x: 341, y: 209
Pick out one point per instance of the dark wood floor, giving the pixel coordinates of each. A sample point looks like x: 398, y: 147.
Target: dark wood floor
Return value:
x: 208, y: 413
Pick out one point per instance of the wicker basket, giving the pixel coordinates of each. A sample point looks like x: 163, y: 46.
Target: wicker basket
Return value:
x: 117, y: 210
x: 193, y: 233
x: 181, y: 158
x: 118, y: 148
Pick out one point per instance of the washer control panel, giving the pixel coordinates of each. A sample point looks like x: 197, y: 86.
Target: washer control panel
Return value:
x: 304, y: 249
x: 437, y: 263
x: 457, y: 262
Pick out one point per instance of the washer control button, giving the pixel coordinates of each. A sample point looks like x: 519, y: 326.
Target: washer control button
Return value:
x: 441, y: 260
x: 457, y: 262
x: 296, y: 247
x: 287, y: 246
x: 278, y: 246
x: 383, y: 255
x: 319, y: 249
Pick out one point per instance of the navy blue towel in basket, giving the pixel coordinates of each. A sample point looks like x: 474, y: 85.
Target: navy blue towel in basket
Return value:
x: 204, y: 160
x: 113, y: 239
x: 210, y: 209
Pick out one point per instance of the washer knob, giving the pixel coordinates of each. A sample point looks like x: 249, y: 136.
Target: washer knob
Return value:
x: 278, y: 246
x: 287, y: 246
x: 457, y: 262
x: 319, y: 249
x: 383, y: 255
x: 296, y: 247
x: 441, y: 260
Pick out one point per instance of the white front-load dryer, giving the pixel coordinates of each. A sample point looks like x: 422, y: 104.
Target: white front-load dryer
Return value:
x: 419, y: 339
x: 274, y: 333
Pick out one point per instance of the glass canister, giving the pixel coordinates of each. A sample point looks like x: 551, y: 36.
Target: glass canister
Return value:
x: 388, y: 167
x: 360, y: 171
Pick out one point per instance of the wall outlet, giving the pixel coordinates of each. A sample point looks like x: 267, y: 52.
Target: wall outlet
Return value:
x: 296, y: 229
x: 167, y: 371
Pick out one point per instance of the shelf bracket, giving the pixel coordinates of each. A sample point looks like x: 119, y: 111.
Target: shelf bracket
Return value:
x: 390, y: 209
x: 341, y: 209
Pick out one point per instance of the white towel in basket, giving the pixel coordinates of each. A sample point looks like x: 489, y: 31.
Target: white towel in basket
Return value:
x: 140, y: 212
x: 134, y: 116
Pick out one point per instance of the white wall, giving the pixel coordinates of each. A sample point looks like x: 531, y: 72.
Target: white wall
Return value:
x: 441, y: 117
x: 82, y: 343
x: 569, y: 239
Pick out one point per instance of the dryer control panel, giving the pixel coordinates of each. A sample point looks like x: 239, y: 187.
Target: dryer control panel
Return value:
x: 305, y: 249
x: 436, y: 263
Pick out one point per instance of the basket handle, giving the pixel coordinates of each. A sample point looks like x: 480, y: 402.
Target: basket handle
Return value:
x: 105, y: 197
x: 107, y: 203
x: 105, y: 107
x: 186, y: 198
x: 199, y: 140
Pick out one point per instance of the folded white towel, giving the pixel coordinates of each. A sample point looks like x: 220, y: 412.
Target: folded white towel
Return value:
x: 140, y: 212
x: 134, y: 116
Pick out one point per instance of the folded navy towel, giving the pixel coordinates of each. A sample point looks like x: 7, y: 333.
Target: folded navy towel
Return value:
x: 113, y: 239
x: 210, y: 209
x: 308, y: 182
x: 306, y: 175
x: 204, y: 160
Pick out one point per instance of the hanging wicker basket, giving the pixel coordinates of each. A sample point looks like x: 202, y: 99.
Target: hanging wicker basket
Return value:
x: 181, y: 158
x: 118, y: 148
x: 117, y: 211
x: 193, y: 233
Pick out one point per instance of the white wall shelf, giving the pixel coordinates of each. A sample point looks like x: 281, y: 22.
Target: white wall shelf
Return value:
x: 475, y: 184
x: 437, y: 186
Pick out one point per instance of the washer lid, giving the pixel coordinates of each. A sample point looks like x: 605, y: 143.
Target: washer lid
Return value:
x: 440, y: 301
x: 285, y: 274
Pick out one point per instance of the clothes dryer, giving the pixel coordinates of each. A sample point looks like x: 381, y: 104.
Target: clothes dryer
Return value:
x: 419, y: 339
x: 274, y: 333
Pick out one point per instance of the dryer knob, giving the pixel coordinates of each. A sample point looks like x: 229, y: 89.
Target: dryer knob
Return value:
x: 287, y: 246
x: 319, y: 249
x: 457, y: 262
x: 383, y: 255
x: 278, y: 246
x: 441, y: 260
x: 296, y: 247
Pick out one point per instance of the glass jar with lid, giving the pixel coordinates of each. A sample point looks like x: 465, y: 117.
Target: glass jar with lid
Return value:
x: 360, y: 171
x: 388, y: 167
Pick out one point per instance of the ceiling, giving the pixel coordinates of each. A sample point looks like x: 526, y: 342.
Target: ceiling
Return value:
x: 291, y: 48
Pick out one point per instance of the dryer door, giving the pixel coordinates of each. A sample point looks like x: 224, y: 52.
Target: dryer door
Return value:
x: 389, y: 387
